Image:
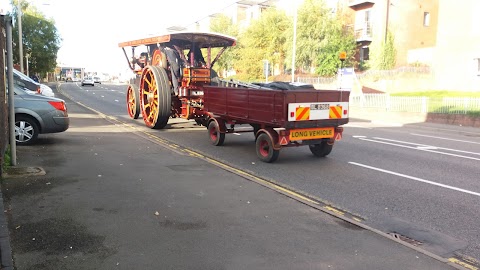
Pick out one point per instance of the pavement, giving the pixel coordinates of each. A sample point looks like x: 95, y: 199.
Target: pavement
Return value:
x: 104, y: 196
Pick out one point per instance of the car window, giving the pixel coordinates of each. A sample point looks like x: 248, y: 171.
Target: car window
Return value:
x: 19, y: 74
x: 20, y: 83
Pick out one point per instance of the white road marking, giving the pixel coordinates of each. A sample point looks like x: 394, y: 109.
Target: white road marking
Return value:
x: 420, y: 149
x: 427, y: 147
x: 442, y: 138
x: 416, y: 179
x: 116, y: 100
x: 358, y: 136
x: 423, y: 145
x: 356, y: 126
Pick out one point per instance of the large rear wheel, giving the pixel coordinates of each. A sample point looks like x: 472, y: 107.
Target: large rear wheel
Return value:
x: 133, y: 101
x: 322, y: 149
x: 265, y: 150
x: 155, y: 97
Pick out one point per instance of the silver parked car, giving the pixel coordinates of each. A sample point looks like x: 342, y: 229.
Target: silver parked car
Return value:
x: 37, y: 114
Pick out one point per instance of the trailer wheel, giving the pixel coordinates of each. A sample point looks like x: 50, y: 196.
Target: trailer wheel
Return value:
x: 216, y: 137
x: 133, y: 101
x: 322, y: 149
x: 155, y: 97
x: 264, y: 147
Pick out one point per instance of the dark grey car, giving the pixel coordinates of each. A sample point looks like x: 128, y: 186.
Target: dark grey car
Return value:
x: 37, y: 114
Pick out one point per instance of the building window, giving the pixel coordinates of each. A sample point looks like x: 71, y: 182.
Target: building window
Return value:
x: 426, y: 19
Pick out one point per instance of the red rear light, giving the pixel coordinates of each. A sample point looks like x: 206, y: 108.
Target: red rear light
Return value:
x: 39, y: 90
x: 59, y: 105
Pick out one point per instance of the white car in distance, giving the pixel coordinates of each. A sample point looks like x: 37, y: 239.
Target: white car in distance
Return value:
x: 88, y: 81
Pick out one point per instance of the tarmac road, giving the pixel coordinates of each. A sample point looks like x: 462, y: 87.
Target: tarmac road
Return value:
x: 415, y: 180
x: 114, y: 198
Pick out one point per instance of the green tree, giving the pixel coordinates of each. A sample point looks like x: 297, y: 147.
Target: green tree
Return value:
x: 383, y: 53
x: 41, y: 40
x: 263, y: 40
x: 339, y: 38
x: 321, y: 36
x: 224, y: 25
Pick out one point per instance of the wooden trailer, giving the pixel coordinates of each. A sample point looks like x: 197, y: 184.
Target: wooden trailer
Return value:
x: 281, y: 114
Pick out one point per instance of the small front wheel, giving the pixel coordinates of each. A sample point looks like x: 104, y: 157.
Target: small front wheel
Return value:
x: 265, y: 150
x: 133, y: 101
x: 216, y: 137
x: 321, y: 149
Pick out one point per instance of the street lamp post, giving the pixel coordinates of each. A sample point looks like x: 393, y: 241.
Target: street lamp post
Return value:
x: 20, y: 41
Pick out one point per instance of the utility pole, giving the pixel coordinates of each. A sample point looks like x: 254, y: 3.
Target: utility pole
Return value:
x: 386, y: 20
x: 294, y: 40
x: 11, y: 106
x: 20, y: 40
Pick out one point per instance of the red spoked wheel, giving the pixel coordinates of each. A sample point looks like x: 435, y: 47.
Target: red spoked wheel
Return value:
x: 265, y: 150
x: 155, y: 97
x: 216, y: 137
x: 133, y: 101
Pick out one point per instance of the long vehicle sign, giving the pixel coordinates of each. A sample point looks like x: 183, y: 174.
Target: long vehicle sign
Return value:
x: 311, y: 133
x: 317, y: 111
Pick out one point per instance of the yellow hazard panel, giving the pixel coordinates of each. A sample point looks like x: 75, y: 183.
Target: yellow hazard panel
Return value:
x: 335, y: 112
x: 302, y: 113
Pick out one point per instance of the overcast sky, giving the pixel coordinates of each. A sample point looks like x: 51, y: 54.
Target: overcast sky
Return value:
x: 92, y: 29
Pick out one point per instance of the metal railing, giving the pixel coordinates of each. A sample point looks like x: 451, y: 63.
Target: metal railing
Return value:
x: 370, y: 74
x: 363, y: 32
x: 317, y: 80
x: 445, y: 105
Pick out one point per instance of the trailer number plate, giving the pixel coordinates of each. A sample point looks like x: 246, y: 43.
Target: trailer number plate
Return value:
x: 320, y: 106
x: 311, y: 133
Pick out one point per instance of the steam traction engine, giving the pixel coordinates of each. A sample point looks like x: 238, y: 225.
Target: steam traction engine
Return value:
x: 169, y: 74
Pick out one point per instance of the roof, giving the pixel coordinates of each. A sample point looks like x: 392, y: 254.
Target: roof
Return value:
x: 184, y: 40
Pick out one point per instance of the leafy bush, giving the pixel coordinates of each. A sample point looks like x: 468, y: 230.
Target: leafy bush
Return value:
x: 6, y: 159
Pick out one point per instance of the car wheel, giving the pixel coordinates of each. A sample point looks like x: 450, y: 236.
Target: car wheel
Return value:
x: 26, y: 130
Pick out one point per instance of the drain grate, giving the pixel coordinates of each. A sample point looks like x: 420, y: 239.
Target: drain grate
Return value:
x: 406, y: 239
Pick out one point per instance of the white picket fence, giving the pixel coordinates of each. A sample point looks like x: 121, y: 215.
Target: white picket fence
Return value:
x: 416, y: 104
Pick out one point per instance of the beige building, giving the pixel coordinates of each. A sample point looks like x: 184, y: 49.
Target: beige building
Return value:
x: 413, y: 24
x: 441, y: 34
x: 456, y: 59
x: 242, y: 12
